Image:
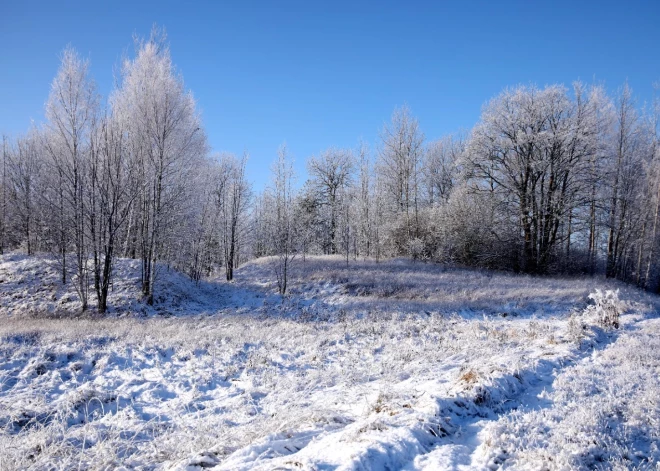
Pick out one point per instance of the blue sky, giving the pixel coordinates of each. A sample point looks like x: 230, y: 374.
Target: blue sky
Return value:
x: 320, y: 74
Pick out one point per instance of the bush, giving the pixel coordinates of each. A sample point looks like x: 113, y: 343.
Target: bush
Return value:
x: 607, y: 308
x: 416, y: 248
x: 575, y: 328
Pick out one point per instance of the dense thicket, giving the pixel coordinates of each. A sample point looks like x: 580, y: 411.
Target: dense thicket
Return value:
x: 550, y: 180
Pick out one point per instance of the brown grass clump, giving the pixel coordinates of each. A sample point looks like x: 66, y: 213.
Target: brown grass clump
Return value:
x: 469, y: 376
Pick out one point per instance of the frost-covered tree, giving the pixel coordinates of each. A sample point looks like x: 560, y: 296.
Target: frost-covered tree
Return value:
x: 3, y: 197
x: 440, y: 168
x: 113, y: 173
x: 71, y: 111
x: 364, y: 202
x: 282, y: 223
x: 331, y: 174
x: 624, y: 179
x: 232, y: 194
x: 531, y: 151
x: 168, y: 142
x: 21, y: 175
x: 653, y: 179
x: 399, y: 165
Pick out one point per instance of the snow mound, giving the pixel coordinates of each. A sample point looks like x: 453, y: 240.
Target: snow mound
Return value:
x: 31, y: 286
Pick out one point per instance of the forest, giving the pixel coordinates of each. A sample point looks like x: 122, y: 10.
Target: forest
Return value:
x: 550, y: 180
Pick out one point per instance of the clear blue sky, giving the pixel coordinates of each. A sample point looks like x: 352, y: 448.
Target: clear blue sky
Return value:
x: 318, y: 74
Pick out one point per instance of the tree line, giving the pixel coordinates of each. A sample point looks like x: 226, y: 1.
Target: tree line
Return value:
x: 550, y: 180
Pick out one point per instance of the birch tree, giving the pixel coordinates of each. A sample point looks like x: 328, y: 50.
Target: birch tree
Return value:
x: 233, y: 197
x: 113, y: 178
x: 71, y: 109
x: 283, y: 223
x: 168, y: 141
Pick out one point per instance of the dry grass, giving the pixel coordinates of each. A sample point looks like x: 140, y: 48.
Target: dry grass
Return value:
x: 469, y: 376
x: 182, y: 391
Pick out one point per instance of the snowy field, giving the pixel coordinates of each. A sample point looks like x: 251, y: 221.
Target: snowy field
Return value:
x: 396, y: 365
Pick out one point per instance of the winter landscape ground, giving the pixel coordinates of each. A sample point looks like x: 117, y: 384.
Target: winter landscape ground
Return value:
x: 391, y: 365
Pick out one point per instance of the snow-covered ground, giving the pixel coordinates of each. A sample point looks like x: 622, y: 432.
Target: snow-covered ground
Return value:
x: 395, y: 365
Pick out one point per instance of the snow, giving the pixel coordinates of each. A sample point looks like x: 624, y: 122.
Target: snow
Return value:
x: 393, y: 365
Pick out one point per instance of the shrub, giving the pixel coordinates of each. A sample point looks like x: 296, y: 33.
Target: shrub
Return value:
x: 575, y: 328
x: 416, y: 248
x: 607, y: 308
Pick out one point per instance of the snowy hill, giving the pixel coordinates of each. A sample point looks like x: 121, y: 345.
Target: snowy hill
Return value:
x: 31, y: 286
x: 396, y: 365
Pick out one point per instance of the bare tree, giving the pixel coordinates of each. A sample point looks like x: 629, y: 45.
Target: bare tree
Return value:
x: 283, y: 223
x: 71, y: 109
x: 441, y: 167
x: 365, y: 202
x: 3, y: 203
x: 168, y: 141
x: 201, y: 248
x: 113, y: 179
x: 331, y: 174
x: 23, y: 165
x: 532, y: 148
x: 233, y: 196
x: 654, y: 183
x: 400, y: 162
x: 622, y: 179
